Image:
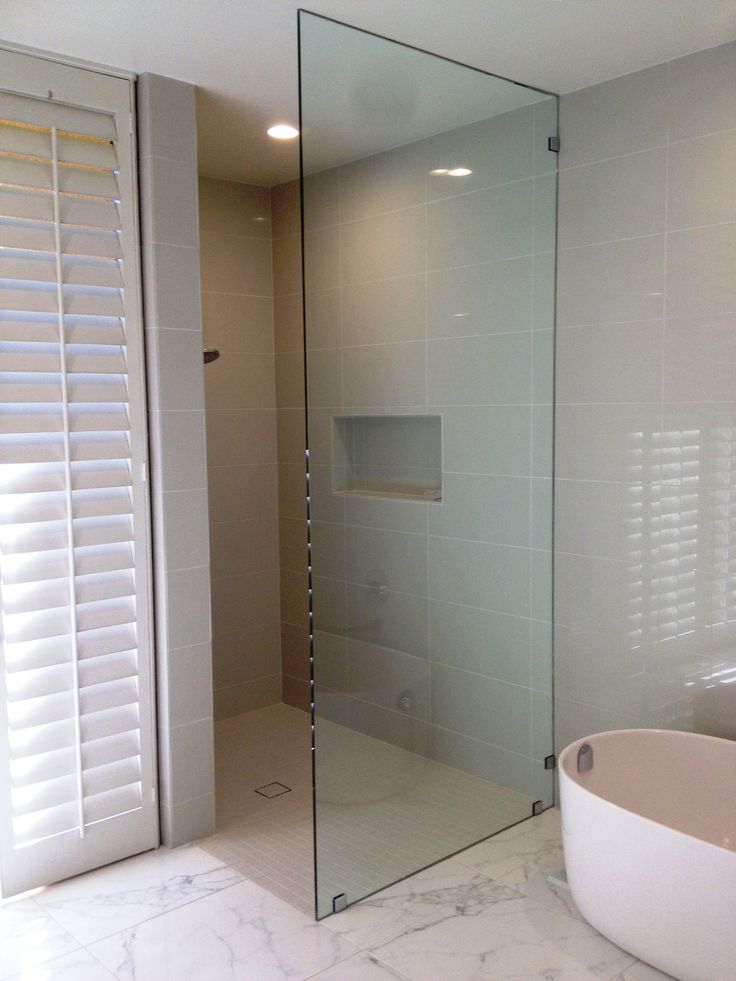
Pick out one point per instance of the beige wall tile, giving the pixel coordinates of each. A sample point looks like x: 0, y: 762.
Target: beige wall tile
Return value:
x: 242, y: 440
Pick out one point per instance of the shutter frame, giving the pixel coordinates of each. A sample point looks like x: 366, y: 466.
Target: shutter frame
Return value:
x: 107, y: 504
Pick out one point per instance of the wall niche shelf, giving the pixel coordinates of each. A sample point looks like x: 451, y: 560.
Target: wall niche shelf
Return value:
x: 390, y: 457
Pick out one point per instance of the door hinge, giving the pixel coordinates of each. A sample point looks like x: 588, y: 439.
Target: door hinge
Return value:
x: 550, y: 762
x: 340, y: 902
x: 553, y: 144
x: 537, y: 807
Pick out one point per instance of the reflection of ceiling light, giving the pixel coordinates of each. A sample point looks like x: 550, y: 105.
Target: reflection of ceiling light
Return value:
x: 459, y: 172
x: 281, y: 131
x: 439, y: 171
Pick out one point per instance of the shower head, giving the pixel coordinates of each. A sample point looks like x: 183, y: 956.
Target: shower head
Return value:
x: 210, y: 354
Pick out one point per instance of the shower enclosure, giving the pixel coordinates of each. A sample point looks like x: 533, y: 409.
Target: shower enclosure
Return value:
x: 429, y: 209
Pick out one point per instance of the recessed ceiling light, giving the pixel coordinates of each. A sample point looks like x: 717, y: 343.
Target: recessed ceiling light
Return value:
x: 459, y: 172
x: 282, y: 131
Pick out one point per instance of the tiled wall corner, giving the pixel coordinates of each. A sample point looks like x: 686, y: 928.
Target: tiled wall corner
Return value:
x: 646, y: 401
x: 173, y: 331
x: 240, y: 390
x: 288, y: 326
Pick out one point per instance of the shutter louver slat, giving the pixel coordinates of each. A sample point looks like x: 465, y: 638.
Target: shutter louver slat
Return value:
x: 38, y: 236
x: 68, y: 569
x: 43, y: 114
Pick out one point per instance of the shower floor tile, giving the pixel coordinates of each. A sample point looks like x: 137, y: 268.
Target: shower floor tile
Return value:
x: 418, y: 809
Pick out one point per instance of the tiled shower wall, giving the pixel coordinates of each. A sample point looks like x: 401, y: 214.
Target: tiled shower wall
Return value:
x: 433, y: 295
x: 288, y: 326
x: 240, y: 389
x: 645, y: 580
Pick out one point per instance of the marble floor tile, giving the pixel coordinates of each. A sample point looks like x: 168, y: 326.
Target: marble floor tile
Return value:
x: 523, y: 857
x: 78, y: 966
x: 361, y: 967
x: 449, y: 922
x: 105, y: 901
x: 241, y: 932
x: 29, y: 937
x: 643, y: 972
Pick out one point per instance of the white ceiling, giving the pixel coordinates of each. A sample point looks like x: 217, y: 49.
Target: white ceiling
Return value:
x: 243, y: 53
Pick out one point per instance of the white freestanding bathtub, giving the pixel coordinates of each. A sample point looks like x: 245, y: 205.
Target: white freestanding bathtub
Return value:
x: 649, y: 833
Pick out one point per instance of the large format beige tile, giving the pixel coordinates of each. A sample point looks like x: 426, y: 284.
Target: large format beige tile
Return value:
x: 483, y: 509
x: 701, y: 272
x: 486, y: 643
x: 614, y: 118
x: 285, y: 208
x: 288, y: 316
x: 324, y: 320
x: 237, y: 437
x: 382, y: 375
x: 613, y: 199
x: 490, y: 577
x: 699, y: 362
x: 321, y: 199
x: 287, y: 265
x: 232, y: 263
x: 385, y: 618
x: 233, y: 208
x: 480, y: 227
x: 185, y: 529
x: 247, y: 697
x: 383, y: 182
x: 602, y: 519
x: 240, y: 547
x: 383, y: 311
x: 699, y: 185
x: 480, y: 370
x: 181, y: 430
x: 483, y: 708
x: 241, y: 381
x: 387, y: 558
x: 487, y: 298
x: 703, y: 93
x: 246, y: 657
x: 615, y: 363
x: 486, y: 439
x: 173, y: 268
x: 231, y: 323
x: 383, y: 247
x: 611, y: 283
x: 497, y: 151
x: 322, y: 258
x: 607, y: 441
x: 390, y: 678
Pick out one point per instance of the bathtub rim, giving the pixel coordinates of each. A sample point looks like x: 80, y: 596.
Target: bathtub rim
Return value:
x: 679, y: 733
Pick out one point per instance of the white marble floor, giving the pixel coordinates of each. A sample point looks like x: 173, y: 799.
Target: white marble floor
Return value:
x: 486, y: 915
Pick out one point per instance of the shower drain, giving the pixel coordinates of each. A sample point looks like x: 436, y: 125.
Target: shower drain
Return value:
x: 273, y: 789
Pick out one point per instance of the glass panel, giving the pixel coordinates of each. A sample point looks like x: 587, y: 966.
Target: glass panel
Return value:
x: 429, y: 201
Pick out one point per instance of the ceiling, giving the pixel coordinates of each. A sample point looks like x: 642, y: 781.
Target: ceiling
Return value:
x: 243, y: 53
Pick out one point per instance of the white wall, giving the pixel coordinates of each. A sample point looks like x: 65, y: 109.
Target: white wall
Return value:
x: 645, y: 606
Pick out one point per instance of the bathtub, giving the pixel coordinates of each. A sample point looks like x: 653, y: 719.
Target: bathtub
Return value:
x: 649, y: 834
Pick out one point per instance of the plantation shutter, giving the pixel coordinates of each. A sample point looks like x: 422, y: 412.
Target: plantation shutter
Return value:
x: 76, y: 758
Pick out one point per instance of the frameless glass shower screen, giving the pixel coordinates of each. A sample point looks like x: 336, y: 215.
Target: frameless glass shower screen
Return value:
x: 429, y: 234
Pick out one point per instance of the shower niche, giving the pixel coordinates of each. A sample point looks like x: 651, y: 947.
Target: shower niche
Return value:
x: 387, y: 456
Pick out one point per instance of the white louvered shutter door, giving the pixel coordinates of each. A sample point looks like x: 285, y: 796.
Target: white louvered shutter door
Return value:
x: 76, y: 734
